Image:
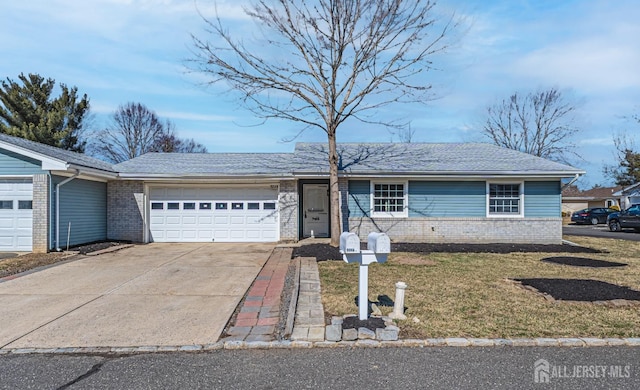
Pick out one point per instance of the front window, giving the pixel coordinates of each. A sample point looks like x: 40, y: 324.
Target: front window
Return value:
x: 504, y: 199
x: 389, y: 198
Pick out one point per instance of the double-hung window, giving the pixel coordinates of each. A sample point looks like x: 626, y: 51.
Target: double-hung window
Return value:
x: 389, y: 199
x: 505, y: 199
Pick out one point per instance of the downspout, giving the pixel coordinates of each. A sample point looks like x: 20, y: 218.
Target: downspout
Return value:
x: 50, y: 244
x: 571, y: 182
x: 65, y: 181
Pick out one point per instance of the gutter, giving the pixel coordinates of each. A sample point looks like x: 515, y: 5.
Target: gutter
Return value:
x: 65, y: 181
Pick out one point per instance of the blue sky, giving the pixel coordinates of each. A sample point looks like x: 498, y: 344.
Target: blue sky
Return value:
x: 117, y: 51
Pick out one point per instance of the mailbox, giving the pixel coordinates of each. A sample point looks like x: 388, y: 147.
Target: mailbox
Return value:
x: 378, y: 249
x: 349, y: 243
x: 379, y: 243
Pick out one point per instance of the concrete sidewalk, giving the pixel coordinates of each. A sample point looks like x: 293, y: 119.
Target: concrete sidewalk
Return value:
x: 156, y: 294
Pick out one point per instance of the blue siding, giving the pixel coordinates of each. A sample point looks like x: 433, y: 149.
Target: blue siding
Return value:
x: 447, y: 199
x: 84, y: 204
x: 359, y: 198
x: 15, y: 164
x: 542, y: 199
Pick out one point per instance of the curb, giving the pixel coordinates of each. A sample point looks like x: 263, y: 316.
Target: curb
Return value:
x: 406, y: 343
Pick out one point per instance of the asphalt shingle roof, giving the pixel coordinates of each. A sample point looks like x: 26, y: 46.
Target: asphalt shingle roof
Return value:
x: 209, y: 164
x: 58, y: 154
x: 437, y: 158
x: 361, y: 158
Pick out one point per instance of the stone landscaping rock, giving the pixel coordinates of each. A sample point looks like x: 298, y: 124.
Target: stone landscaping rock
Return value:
x: 336, y: 320
x: 333, y: 332
x: 366, y: 334
x: 390, y: 333
x: 349, y: 334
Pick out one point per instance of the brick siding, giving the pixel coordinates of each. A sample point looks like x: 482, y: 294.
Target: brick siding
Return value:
x: 125, y: 210
x: 463, y: 230
x: 41, y: 212
x: 288, y: 210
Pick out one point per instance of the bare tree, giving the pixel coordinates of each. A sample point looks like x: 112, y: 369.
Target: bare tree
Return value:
x: 169, y: 142
x: 627, y: 169
x: 136, y: 130
x: 405, y: 134
x: 539, y: 123
x: 335, y: 60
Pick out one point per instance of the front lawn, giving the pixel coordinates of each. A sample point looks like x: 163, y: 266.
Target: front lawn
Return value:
x: 475, y: 295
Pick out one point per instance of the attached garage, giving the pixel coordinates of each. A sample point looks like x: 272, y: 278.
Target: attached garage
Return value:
x: 16, y: 214
x: 208, y: 214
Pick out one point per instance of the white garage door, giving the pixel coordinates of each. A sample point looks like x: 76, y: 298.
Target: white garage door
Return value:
x: 247, y: 214
x: 16, y: 214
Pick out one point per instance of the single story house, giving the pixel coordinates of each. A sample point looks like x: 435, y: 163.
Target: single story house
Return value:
x: 446, y: 192
x: 574, y: 199
x: 629, y: 195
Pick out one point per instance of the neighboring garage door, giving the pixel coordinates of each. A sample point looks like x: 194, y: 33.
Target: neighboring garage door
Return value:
x: 247, y: 214
x: 16, y: 214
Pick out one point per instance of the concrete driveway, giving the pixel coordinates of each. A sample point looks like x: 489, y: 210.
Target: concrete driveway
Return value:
x: 147, y: 295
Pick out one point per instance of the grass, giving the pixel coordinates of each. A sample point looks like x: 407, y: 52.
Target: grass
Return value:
x: 471, y: 295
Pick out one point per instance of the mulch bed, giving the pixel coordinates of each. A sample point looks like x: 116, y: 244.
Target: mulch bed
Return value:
x: 323, y: 252
x: 371, y: 323
x: 96, y: 246
x: 584, y: 290
x: 582, y: 262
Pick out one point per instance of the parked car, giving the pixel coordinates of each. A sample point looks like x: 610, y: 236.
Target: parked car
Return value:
x: 593, y: 215
x: 629, y: 218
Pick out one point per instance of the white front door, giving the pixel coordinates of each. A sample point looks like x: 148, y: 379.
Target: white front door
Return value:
x: 16, y: 214
x: 214, y: 214
x: 315, y: 204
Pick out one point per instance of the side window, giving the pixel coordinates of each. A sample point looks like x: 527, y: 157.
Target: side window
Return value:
x: 504, y: 199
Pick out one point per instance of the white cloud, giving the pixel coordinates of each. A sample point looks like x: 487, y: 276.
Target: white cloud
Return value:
x: 193, y: 116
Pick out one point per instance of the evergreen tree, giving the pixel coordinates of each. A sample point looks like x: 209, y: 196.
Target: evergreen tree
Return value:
x: 28, y: 110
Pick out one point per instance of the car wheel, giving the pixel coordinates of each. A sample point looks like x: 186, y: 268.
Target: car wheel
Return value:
x: 594, y: 221
x: 614, y: 226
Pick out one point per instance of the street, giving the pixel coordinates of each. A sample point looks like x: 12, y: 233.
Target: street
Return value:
x: 601, y: 231
x: 336, y: 368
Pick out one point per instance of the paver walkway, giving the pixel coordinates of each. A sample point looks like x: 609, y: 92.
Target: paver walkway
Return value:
x: 309, y: 322
x: 260, y: 311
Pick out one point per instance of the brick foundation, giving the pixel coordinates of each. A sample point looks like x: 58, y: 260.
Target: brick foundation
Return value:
x: 463, y: 230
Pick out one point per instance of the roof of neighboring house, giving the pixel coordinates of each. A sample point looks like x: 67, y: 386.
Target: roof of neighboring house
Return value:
x: 632, y: 190
x: 41, y: 151
x: 355, y: 158
x: 592, y: 194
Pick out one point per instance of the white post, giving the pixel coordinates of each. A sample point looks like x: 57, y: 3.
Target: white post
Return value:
x: 398, y: 306
x: 363, y: 292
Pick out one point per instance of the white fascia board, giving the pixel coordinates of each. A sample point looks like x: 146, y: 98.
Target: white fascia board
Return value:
x: 48, y: 163
x: 466, y: 175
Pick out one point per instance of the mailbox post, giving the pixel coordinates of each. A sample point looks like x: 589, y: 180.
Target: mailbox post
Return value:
x: 378, y: 248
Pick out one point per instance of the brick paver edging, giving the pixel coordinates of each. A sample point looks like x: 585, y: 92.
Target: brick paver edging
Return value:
x: 407, y: 343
